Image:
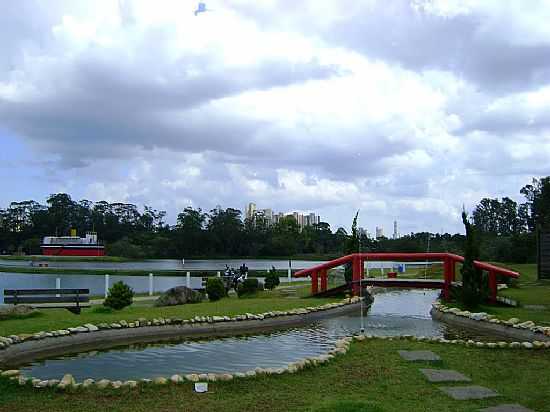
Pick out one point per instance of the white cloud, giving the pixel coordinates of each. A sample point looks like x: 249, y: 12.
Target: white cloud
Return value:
x: 404, y: 110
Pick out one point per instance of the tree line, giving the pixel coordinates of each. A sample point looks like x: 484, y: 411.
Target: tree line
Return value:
x: 506, y: 229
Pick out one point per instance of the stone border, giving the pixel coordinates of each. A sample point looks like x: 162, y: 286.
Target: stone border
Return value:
x: 68, y: 382
x: 341, y: 347
x: 20, y: 348
x: 512, y: 328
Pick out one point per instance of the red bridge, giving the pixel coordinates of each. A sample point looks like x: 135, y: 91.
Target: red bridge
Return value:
x: 357, y: 261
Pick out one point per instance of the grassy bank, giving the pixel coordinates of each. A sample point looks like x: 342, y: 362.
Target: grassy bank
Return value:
x: 532, y: 295
x: 371, y: 377
x: 52, y: 319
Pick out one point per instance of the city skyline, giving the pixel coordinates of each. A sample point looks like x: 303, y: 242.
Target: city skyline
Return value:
x: 307, y: 219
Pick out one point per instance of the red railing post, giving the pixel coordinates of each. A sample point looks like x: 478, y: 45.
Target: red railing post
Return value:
x: 324, y: 280
x: 492, y: 286
x: 447, y: 275
x: 314, y: 282
x: 357, y: 273
x: 452, y: 269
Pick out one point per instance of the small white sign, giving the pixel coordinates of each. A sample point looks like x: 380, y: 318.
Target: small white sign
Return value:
x: 201, y: 387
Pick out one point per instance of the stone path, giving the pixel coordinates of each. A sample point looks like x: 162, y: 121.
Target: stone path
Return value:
x: 507, y: 408
x: 457, y: 392
x: 463, y: 393
x: 419, y: 355
x: 444, y: 375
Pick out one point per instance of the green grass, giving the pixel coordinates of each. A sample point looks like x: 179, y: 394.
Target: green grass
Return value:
x: 527, y: 290
x: 52, y: 319
x: 371, y: 377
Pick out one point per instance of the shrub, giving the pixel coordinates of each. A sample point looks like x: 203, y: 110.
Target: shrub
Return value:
x: 248, y: 287
x: 120, y: 295
x: 215, y: 289
x: 272, y: 279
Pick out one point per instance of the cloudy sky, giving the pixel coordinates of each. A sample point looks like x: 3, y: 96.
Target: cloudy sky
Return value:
x: 404, y: 109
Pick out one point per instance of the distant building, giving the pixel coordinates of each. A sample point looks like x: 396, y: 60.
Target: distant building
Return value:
x: 251, y: 210
x: 272, y: 218
x: 395, y: 234
x: 379, y: 232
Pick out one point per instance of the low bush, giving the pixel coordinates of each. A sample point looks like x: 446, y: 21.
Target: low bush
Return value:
x: 271, y: 280
x: 215, y: 289
x: 120, y: 295
x: 248, y: 288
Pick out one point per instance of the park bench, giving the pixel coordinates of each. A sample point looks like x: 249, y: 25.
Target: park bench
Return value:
x: 71, y: 299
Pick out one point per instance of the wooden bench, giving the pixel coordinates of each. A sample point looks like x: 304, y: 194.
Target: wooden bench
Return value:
x: 71, y: 299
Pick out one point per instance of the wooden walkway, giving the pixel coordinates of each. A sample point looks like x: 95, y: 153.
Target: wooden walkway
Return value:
x: 388, y: 283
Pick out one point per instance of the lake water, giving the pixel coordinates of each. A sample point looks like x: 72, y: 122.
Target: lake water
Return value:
x: 393, y: 313
x: 170, y: 264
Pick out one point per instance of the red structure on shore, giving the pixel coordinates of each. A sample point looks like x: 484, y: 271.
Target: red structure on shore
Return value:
x: 357, y: 260
x: 72, y: 245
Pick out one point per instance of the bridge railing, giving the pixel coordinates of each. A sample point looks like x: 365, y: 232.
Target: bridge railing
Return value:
x: 357, y: 260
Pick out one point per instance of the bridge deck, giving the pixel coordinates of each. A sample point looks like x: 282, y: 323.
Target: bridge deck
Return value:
x: 388, y: 283
x: 404, y: 283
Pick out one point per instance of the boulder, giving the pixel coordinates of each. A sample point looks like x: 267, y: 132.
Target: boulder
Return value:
x: 179, y: 295
x: 7, y: 312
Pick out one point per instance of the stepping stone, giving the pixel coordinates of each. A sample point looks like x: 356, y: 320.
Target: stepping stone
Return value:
x: 463, y: 393
x: 509, y: 407
x: 419, y: 355
x: 444, y: 375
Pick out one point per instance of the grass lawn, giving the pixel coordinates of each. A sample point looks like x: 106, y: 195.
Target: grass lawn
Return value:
x: 533, y: 297
x: 371, y: 377
x: 52, y: 319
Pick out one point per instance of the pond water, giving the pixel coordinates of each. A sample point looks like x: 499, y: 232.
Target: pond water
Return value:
x: 393, y: 313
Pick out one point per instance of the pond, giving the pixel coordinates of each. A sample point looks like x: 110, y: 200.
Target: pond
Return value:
x: 393, y: 313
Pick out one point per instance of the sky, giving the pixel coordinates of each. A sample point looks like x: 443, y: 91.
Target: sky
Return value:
x: 406, y: 110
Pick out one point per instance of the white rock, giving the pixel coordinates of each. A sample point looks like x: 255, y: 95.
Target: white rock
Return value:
x: 527, y: 345
x: 68, y: 380
x: 160, y: 380
x: 176, y: 379
x: 91, y: 327
x: 87, y: 383
x: 10, y: 373
x: 103, y: 383
x: 192, y: 377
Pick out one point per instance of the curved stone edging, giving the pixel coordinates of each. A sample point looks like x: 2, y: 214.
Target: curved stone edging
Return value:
x: 511, y: 329
x: 341, y: 347
x: 105, y: 338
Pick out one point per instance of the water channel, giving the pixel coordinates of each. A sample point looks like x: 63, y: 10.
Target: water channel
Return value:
x: 393, y: 313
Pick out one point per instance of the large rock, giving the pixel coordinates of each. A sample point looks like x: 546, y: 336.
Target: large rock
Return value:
x: 179, y: 295
x: 7, y: 312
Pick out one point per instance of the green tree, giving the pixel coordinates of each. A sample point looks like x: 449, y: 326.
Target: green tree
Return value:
x: 471, y: 276
x: 351, y: 246
x: 538, y: 203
